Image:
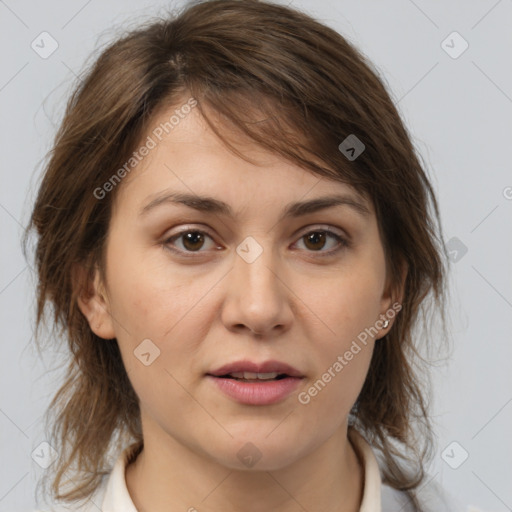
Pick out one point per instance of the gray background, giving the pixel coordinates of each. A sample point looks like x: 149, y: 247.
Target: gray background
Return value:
x: 457, y: 109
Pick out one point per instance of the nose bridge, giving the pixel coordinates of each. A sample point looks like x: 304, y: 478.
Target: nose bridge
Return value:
x: 255, y: 268
x: 258, y: 298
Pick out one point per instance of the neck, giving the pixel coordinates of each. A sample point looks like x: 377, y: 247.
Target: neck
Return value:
x: 176, y: 478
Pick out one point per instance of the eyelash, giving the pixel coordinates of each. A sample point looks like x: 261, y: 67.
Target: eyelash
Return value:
x: 343, y: 243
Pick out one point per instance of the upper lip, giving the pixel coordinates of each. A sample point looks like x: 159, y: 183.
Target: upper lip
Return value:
x: 250, y: 366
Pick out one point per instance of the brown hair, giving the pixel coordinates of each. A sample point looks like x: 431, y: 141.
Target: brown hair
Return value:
x: 308, y: 89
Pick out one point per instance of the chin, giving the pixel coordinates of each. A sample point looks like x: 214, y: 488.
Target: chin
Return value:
x: 259, y: 462
x: 257, y: 453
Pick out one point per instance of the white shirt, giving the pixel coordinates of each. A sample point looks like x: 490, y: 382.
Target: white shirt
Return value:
x: 113, y: 496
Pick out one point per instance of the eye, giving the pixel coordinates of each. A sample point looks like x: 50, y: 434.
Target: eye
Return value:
x: 315, y: 241
x: 191, y: 240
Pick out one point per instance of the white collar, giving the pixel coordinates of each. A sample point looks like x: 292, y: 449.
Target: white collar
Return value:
x: 371, y: 501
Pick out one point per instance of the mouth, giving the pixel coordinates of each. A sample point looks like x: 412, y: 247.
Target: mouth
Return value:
x: 249, y: 370
x: 256, y: 384
x: 253, y: 377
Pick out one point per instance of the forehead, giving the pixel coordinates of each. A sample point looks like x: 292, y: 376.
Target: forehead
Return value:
x: 188, y: 158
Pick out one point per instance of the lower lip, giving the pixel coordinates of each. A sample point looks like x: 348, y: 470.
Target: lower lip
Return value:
x: 257, y: 393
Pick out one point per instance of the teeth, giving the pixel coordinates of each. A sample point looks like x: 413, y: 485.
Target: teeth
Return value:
x: 251, y: 375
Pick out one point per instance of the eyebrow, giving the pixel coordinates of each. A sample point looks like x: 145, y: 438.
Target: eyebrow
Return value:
x: 211, y: 205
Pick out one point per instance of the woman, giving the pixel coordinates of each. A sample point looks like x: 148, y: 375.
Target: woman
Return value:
x: 238, y: 238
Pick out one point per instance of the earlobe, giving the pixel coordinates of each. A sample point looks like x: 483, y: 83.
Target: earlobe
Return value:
x: 93, y: 302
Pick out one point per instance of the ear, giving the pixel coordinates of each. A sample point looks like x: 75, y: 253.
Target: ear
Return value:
x: 391, y: 301
x: 93, y: 301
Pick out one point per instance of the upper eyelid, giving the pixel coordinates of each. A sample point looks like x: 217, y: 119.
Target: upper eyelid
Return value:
x: 318, y: 227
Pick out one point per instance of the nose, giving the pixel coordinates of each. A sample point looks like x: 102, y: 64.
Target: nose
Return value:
x: 257, y: 298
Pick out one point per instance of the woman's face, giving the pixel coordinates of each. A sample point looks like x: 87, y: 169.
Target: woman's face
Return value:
x: 241, y: 277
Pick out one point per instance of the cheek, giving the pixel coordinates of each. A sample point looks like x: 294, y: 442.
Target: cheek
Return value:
x: 348, y: 307
x: 348, y: 302
x: 156, y: 324
x: 145, y: 296
x: 342, y: 357
x: 170, y: 309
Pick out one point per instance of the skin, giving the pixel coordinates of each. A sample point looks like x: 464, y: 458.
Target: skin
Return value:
x: 210, y: 307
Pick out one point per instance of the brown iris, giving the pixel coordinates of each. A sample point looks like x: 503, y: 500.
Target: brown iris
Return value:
x: 193, y: 240
x: 317, y: 237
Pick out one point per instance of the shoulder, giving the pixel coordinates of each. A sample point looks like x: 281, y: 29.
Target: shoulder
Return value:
x: 92, y: 504
x: 394, y: 500
x: 111, y: 493
x: 431, y: 496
